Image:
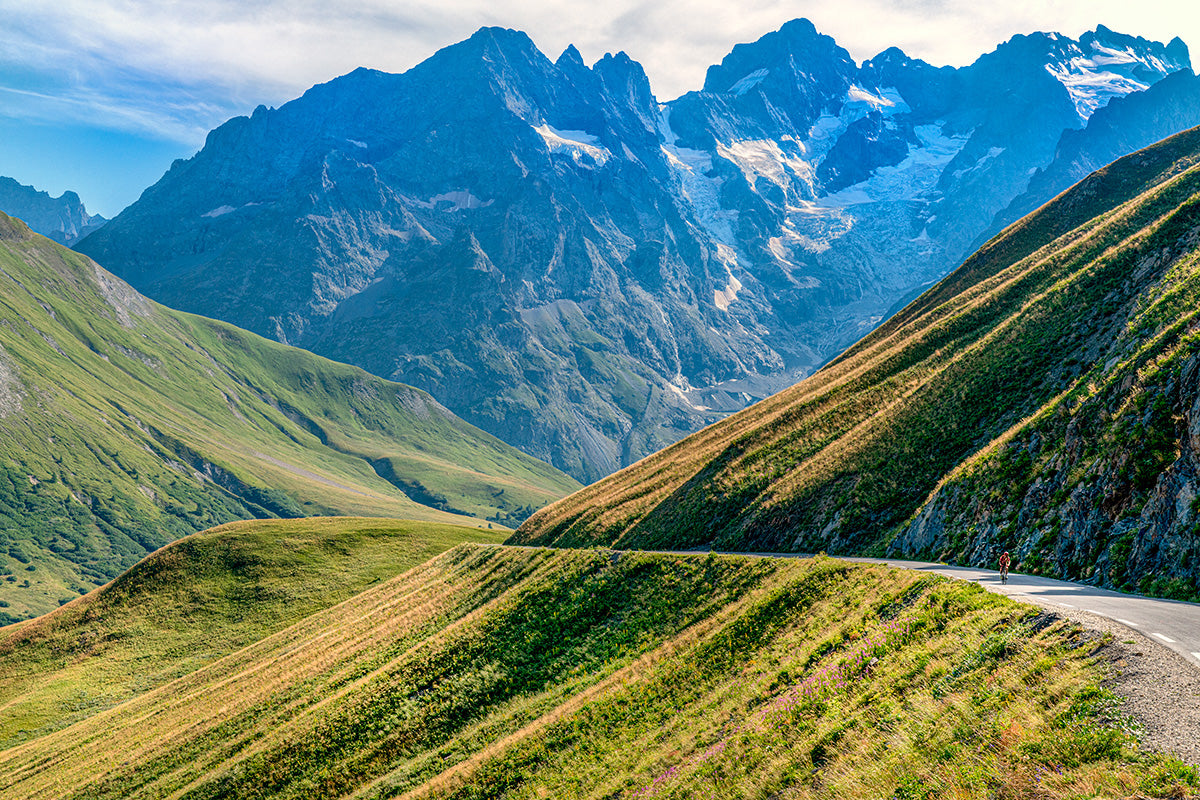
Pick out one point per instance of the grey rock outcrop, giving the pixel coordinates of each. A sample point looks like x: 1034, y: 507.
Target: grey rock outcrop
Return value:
x: 63, y: 218
x: 583, y: 271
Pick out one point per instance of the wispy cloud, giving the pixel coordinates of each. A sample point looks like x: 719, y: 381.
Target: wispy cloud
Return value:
x: 176, y: 69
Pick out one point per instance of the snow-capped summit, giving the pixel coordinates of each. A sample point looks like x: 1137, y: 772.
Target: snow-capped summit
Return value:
x: 1104, y: 64
x: 591, y: 274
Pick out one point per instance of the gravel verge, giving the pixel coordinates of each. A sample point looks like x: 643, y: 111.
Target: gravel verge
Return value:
x: 1161, y: 690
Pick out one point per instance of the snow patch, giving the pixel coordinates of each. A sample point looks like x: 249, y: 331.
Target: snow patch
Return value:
x: 702, y: 193
x: 887, y: 101
x: 823, y: 135
x: 749, y: 82
x: 680, y: 394
x: 766, y: 159
x: 455, y: 200
x: 1090, y: 89
x: 581, y: 147
x: 915, y: 176
x: 1092, y: 79
x: 821, y: 226
x: 981, y: 163
x: 723, y: 297
x: 221, y: 211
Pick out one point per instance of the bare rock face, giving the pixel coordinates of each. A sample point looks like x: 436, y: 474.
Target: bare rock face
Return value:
x: 63, y: 219
x: 1128, y: 123
x: 1106, y: 489
x: 583, y: 271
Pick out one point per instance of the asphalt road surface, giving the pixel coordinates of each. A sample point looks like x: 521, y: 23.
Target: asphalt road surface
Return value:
x: 1171, y: 623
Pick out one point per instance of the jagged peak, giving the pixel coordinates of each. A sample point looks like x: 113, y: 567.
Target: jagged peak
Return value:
x: 621, y: 64
x: 1052, y: 42
x: 799, y: 28
x: 620, y: 57
x: 1174, y: 51
x: 797, y: 40
x: 570, y: 57
x: 893, y: 56
x: 1178, y: 50
x: 507, y: 40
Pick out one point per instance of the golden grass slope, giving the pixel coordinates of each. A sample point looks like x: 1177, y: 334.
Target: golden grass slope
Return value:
x: 193, y: 602
x: 503, y: 672
x: 841, y: 461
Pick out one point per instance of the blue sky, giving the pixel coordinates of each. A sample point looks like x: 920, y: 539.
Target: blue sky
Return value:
x: 99, y: 96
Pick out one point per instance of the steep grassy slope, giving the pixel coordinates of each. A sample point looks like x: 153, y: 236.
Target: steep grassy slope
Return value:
x: 511, y: 672
x: 1056, y: 363
x: 124, y: 425
x: 193, y: 602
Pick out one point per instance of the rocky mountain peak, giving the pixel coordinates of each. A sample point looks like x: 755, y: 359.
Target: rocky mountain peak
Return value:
x: 1100, y: 65
x: 781, y: 63
x: 571, y: 265
x: 63, y: 219
x: 570, y: 58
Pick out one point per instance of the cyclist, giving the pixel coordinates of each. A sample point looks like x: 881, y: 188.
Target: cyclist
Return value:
x: 1005, y: 561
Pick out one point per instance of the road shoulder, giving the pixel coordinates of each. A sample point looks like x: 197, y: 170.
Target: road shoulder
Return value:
x: 1161, y: 690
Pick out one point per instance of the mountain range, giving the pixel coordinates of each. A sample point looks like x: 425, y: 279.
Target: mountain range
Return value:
x: 125, y: 425
x: 591, y: 274
x: 63, y: 218
x: 1044, y: 399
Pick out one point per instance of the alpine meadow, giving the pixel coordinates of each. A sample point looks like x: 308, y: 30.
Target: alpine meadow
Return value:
x: 494, y: 429
x: 127, y: 425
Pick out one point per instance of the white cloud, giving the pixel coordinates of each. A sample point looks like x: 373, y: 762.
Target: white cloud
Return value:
x: 177, y: 69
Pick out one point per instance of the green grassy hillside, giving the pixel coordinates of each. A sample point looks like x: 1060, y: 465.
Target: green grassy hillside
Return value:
x: 1041, y: 399
x: 193, y: 602
x: 125, y: 425
x: 500, y: 672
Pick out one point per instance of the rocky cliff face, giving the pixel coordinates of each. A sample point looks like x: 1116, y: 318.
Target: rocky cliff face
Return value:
x: 1044, y: 399
x: 1102, y: 485
x: 588, y: 273
x: 1128, y: 123
x: 63, y: 219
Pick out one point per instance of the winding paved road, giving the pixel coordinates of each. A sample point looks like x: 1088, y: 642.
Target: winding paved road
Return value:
x: 1171, y: 623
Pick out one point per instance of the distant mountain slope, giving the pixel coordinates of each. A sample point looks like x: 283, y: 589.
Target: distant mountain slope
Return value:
x: 62, y: 219
x: 590, y: 274
x: 125, y: 425
x: 500, y: 672
x: 1126, y: 124
x: 193, y: 602
x: 1044, y: 398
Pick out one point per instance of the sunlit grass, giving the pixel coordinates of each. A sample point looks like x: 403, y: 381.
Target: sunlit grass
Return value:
x: 192, y: 603
x: 525, y: 673
x: 1074, y: 322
